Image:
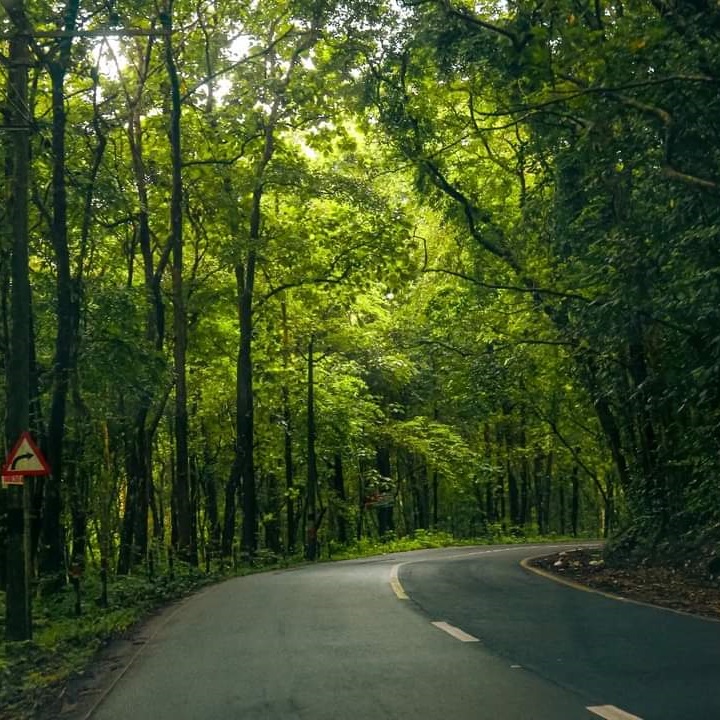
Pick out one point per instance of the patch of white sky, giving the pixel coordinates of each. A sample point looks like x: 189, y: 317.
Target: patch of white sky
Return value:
x: 111, y: 59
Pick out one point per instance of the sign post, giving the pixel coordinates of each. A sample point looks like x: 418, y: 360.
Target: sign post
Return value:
x: 25, y: 459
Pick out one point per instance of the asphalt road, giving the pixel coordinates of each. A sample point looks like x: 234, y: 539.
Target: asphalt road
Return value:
x: 454, y: 634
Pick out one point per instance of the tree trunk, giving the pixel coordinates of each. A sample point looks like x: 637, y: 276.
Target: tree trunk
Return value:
x: 210, y: 490
x: 274, y: 508
x: 547, y: 486
x: 135, y: 489
x: 229, y: 516
x: 339, y: 486
x: 490, y: 510
x: 575, y: 502
x: 609, y: 518
x: 186, y: 543
x: 245, y: 403
x: 538, y: 487
x: 513, y: 495
x: 51, y: 553
x: 655, y: 490
x: 311, y: 548
x: 287, y: 436
x: 524, y: 490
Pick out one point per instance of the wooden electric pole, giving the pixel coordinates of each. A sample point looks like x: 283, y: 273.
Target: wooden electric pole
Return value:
x: 18, y: 624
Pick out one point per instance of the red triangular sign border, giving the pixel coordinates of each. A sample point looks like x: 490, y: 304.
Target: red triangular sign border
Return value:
x: 7, y: 467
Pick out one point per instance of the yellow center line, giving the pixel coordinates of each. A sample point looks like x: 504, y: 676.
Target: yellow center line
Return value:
x: 395, y: 583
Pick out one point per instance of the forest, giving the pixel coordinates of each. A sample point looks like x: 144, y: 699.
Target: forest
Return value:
x: 282, y: 275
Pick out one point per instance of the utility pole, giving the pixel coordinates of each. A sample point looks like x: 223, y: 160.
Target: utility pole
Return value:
x: 18, y: 623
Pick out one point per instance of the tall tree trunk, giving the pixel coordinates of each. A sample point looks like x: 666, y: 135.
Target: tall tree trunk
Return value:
x: 575, y: 501
x: 245, y: 402
x: 138, y: 437
x: 210, y: 491
x: 655, y: 489
x: 134, y: 439
x: 339, y: 486
x: 274, y: 508
x: 186, y: 543
x: 524, y: 490
x: 538, y: 488
x: 422, y: 502
x: 490, y: 502
x: 291, y: 517
x: 608, y: 423
x: 311, y: 549
x: 609, y: 514
x: 51, y: 555
x: 230, y: 512
x: 513, y: 495
x: 245, y: 280
x: 547, y: 487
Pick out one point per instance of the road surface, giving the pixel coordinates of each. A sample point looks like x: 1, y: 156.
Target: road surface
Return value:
x: 452, y: 634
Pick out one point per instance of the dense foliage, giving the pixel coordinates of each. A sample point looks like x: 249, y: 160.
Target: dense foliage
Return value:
x: 305, y: 273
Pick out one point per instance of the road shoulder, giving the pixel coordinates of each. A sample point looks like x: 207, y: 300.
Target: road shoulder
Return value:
x: 662, y: 587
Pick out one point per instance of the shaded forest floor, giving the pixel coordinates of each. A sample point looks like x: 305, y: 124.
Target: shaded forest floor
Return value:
x: 681, y: 587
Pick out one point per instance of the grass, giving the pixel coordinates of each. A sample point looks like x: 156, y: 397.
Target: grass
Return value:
x: 32, y: 673
x: 424, y: 539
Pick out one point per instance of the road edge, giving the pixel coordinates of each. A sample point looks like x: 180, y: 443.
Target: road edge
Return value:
x: 525, y: 564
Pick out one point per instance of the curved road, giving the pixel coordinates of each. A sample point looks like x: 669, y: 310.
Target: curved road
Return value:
x: 452, y: 634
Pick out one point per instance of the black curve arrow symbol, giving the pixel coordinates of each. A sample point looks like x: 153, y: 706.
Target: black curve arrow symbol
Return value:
x: 18, y: 458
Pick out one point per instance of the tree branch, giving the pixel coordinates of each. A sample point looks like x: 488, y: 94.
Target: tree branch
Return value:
x: 514, y: 288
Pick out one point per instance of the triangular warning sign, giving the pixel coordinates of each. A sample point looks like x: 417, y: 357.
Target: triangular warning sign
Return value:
x: 25, y: 459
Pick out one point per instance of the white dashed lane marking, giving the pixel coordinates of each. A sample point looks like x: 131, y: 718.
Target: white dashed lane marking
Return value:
x: 457, y: 633
x: 610, y: 712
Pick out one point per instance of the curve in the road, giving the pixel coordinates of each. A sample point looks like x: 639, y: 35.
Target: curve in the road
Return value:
x: 354, y: 641
x: 661, y: 665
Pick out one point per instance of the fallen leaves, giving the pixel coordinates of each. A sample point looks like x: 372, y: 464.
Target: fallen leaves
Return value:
x: 670, y: 587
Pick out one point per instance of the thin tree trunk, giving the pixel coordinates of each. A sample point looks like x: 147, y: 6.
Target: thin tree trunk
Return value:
x: 272, y: 523
x: 230, y: 512
x: 538, y: 488
x: 547, y: 488
x: 139, y: 436
x: 339, y: 485
x: 575, y: 501
x: 311, y: 549
x: 291, y: 517
x: 513, y: 495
